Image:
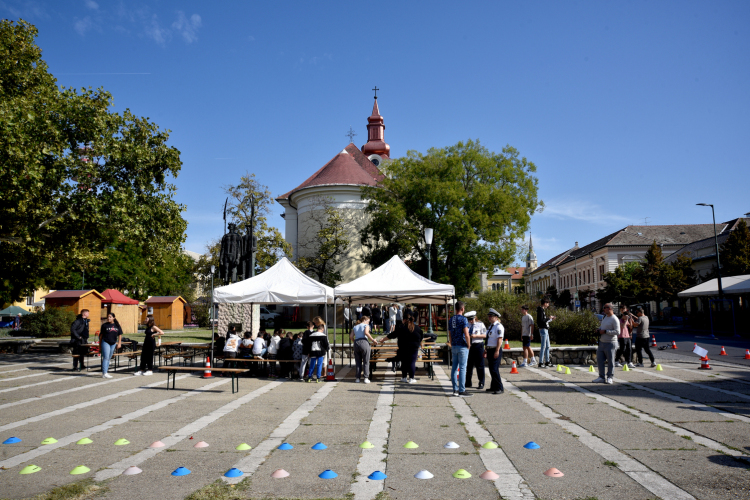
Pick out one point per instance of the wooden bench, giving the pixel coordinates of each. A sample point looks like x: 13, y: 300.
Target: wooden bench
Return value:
x: 262, y: 360
x: 131, y: 355
x: 234, y: 372
x: 184, y: 355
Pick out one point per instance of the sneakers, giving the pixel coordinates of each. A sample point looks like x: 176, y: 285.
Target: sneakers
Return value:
x: 307, y: 380
x: 404, y: 379
x: 465, y: 394
x: 599, y: 380
x: 610, y: 381
x: 107, y: 375
x: 523, y: 365
x: 138, y: 373
x: 481, y: 386
x: 639, y: 365
x: 455, y: 394
x: 147, y: 373
x: 631, y: 365
x: 653, y: 365
x: 356, y: 381
x: 412, y: 381
x: 317, y: 380
x: 618, y: 364
x: 367, y: 381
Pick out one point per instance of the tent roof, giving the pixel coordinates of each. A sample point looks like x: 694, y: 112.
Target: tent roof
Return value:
x: 395, y: 282
x: 732, y: 285
x: 282, y: 283
x: 112, y: 296
x: 13, y: 311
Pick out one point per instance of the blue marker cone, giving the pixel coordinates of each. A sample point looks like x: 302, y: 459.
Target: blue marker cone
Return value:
x: 286, y: 446
x: 233, y: 473
x: 531, y: 445
x: 319, y: 446
x: 377, y: 476
x: 181, y: 471
x: 328, y: 474
x: 12, y: 440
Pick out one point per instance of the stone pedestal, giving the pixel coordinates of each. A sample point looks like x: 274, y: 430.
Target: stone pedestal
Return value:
x: 248, y: 315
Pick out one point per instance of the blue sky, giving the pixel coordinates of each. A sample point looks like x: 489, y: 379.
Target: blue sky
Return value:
x: 630, y: 110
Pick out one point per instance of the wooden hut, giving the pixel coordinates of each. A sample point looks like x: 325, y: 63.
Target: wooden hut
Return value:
x: 167, y: 311
x: 76, y: 301
x: 125, y: 309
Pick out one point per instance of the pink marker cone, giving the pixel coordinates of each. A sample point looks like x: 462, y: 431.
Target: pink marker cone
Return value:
x: 554, y: 473
x: 489, y: 475
x: 157, y: 444
x: 201, y: 444
x: 279, y: 473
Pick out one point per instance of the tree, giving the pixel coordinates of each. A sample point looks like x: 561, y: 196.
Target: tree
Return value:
x: 323, y: 243
x: 735, y: 251
x: 622, y: 284
x: 564, y: 299
x: 478, y: 202
x: 75, y: 175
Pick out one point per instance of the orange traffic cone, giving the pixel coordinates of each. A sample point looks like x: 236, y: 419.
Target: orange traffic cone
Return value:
x: 207, y: 371
x: 674, y: 346
x: 747, y: 354
x: 704, y: 363
x: 329, y: 375
x: 653, y: 340
x: 723, y: 352
x: 513, y: 368
x: 507, y: 345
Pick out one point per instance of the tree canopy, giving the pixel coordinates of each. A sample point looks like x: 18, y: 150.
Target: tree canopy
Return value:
x: 75, y: 175
x: 735, y: 251
x: 324, y: 242
x: 478, y: 202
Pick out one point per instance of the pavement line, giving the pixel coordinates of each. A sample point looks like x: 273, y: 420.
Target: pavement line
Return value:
x: 678, y: 399
x: 43, y: 450
x: 702, y: 372
x: 707, y: 442
x: 250, y: 463
x: 701, y: 386
x: 58, y: 393
x: 117, y: 468
x: 29, y: 376
x: 510, y: 484
x: 61, y: 379
x: 28, y: 368
x: 370, y: 460
x: 641, y: 474
x: 68, y: 409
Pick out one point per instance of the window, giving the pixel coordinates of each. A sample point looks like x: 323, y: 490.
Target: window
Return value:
x: 601, y: 272
x: 589, y: 275
x: 29, y: 300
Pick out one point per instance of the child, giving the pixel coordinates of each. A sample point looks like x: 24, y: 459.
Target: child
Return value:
x: 273, y: 351
x: 318, y: 345
x: 246, y: 345
x: 296, y: 352
x: 286, y: 353
x: 231, y: 346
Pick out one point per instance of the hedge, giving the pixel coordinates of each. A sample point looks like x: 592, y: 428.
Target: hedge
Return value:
x: 52, y: 322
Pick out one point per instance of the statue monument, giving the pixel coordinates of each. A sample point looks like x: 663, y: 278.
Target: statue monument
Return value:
x: 231, y: 255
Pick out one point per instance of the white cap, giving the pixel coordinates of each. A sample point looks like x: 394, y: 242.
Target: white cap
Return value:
x: 470, y: 314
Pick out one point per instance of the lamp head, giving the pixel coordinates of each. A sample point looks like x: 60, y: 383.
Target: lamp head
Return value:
x: 704, y: 204
x: 428, y: 236
x: 213, y: 269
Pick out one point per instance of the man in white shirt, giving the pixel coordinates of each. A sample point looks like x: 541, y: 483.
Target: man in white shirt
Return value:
x: 494, y: 351
x: 231, y: 346
x: 477, y: 332
x: 259, y: 347
x: 607, y: 350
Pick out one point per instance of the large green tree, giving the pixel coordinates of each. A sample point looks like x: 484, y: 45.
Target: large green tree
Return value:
x: 478, y: 202
x: 735, y: 251
x: 75, y: 175
x: 324, y: 242
x: 622, y: 284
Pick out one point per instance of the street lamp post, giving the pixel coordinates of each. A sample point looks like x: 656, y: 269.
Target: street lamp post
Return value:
x: 428, y: 240
x: 718, y: 263
x: 213, y: 269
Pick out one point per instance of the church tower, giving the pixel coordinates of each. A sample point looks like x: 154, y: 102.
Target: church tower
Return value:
x: 531, y: 263
x: 376, y: 148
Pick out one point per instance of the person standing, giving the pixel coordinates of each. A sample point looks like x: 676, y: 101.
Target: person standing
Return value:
x: 286, y: 353
x: 358, y: 337
x: 641, y: 322
x: 318, y: 345
x: 478, y: 334
x: 459, y: 341
x: 377, y: 318
x: 297, y: 352
x: 494, y: 352
x: 347, y: 318
x: 305, y: 349
x: 17, y: 322
x: 409, y: 342
x: 624, y: 339
x: 543, y: 322
x: 527, y: 335
x: 109, y: 340
x: 149, y: 346
x: 79, y: 335
x: 273, y: 352
x: 392, y: 313
x: 399, y: 315
x: 605, y: 353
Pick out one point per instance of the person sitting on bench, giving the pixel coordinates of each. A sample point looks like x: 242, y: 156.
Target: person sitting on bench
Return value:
x: 259, y: 347
x: 246, y: 345
x: 231, y: 346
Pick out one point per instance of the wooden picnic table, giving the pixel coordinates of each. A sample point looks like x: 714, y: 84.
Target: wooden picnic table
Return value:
x: 234, y: 372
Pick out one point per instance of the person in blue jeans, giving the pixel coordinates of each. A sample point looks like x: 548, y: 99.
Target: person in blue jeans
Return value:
x: 318, y: 345
x: 543, y: 322
x: 459, y: 341
x: 110, y: 337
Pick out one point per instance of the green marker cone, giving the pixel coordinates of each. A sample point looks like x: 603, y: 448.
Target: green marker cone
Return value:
x: 49, y: 441
x: 461, y: 474
x: 84, y: 441
x: 81, y: 469
x: 411, y: 445
x: 367, y: 445
x: 121, y: 442
x: 243, y: 447
x: 489, y: 445
x: 30, y: 469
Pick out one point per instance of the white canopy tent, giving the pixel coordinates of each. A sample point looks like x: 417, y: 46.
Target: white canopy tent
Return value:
x: 282, y: 283
x: 732, y: 285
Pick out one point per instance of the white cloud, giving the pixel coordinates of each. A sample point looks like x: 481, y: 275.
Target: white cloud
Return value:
x: 155, y: 31
x: 188, y: 28
x: 91, y: 4
x: 251, y: 38
x: 581, y: 210
x: 82, y: 25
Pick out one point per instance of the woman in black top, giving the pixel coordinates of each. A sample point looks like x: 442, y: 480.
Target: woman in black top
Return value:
x: 409, y: 338
x: 111, y: 336
x: 377, y: 318
x: 149, y: 346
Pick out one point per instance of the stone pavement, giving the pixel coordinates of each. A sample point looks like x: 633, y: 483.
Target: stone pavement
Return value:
x: 680, y: 433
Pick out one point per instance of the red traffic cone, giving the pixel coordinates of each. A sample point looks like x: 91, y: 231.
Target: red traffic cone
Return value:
x: 674, y: 346
x: 723, y: 352
x: 513, y: 368
x: 507, y: 345
x: 207, y: 371
x: 653, y: 340
x: 704, y: 363
x: 747, y: 354
x: 329, y: 375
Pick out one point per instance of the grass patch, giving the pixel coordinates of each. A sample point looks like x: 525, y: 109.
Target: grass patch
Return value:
x: 687, y: 449
x: 610, y: 463
x: 443, y: 425
x: 219, y: 490
x: 687, y: 437
x: 81, y: 490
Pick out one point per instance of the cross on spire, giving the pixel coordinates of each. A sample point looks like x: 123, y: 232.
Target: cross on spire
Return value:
x: 351, y: 134
x: 376, y: 91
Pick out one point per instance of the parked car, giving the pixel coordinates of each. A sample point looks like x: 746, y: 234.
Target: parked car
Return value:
x: 268, y: 317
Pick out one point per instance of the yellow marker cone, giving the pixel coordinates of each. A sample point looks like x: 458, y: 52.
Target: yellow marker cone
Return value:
x: 591, y: 368
x: 411, y: 445
x: 121, y: 442
x: 489, y: 445
x: 559, y: 368
x: 84, y: 441
x: 461, y: 474
x: 243, y: 447
x: 367, y: 445
x: 30, y: 469
x: 625, y: 368
x: 567, y: 371
x: 49, y: 441
x: 81, y: 469
x: 659, y: 368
